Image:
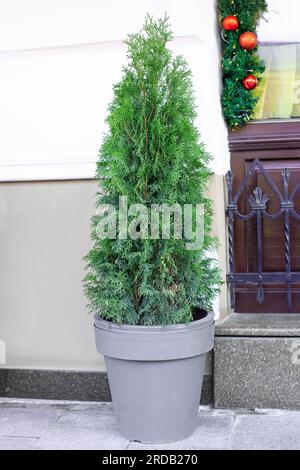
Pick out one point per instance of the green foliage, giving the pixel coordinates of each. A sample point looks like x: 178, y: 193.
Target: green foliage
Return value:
x: 239, y: 103
x: 151, y: 154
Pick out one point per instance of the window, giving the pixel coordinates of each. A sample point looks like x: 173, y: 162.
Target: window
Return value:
x: 280, y: 88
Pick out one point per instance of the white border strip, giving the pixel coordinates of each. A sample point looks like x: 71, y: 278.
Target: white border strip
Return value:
x: 47, y: 170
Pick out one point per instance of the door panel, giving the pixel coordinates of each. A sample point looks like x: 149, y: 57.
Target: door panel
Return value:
x: 273, y: 231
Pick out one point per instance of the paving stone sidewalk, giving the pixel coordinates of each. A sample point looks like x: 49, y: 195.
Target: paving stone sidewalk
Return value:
x: 41, y: 424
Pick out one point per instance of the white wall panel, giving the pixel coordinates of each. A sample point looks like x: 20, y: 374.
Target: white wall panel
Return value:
x: 58, y: 62
x: 47, y: 23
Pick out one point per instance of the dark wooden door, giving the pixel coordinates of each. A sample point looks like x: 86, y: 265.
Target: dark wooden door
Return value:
x: 277, y: 146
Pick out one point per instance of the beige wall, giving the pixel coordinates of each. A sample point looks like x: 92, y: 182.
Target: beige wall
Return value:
x: 44, y: 233
x: 217, y: 192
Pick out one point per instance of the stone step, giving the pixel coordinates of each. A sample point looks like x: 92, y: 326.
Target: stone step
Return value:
x: 257, y: 361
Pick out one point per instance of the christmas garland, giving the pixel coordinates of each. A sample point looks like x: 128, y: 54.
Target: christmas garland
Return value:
x: 242, y: 67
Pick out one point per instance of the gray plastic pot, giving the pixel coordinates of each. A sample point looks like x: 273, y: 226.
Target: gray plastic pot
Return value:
x: 155, y: 376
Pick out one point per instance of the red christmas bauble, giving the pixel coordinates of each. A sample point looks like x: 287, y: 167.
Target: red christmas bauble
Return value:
x: 250, y: 82
x: 230, y: 23
x: 248, y: 40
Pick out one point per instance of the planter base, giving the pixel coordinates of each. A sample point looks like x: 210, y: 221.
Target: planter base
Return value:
x: 160, y: 404
x: 155, y: 376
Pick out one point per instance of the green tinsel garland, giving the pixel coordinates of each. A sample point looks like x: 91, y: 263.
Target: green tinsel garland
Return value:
x: 237, y: 102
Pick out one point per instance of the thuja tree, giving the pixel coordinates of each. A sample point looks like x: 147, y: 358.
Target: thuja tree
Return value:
x: 152, y: 155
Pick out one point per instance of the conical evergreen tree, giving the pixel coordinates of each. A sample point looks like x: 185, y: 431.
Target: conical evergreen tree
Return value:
x: 151, y: 155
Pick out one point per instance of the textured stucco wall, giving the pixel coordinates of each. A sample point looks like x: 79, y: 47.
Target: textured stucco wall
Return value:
x: 44, y: 233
